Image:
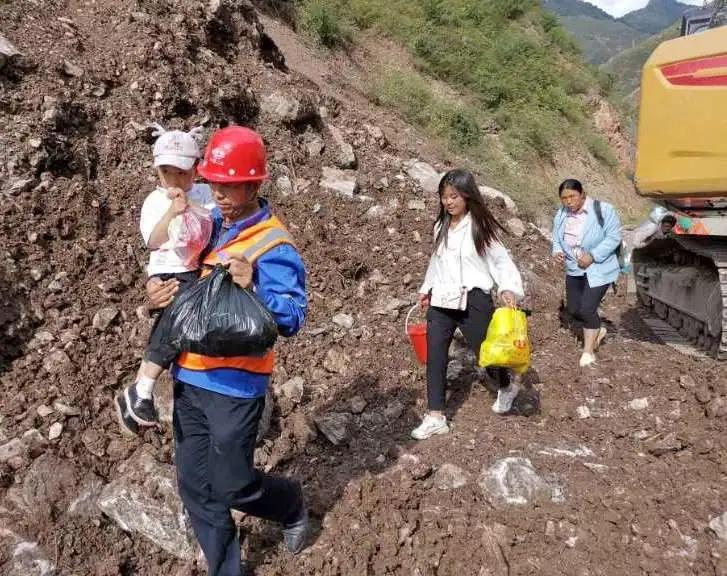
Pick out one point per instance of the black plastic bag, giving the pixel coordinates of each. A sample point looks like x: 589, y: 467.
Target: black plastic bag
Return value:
x: 216, y: 317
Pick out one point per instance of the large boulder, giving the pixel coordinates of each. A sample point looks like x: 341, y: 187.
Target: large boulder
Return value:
x: 514, y: 481
x: 144, y: 501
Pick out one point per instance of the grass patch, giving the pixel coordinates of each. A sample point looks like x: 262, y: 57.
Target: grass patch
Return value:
x: 325, y: 22
x: 514, y: 60
x: 411, y: 95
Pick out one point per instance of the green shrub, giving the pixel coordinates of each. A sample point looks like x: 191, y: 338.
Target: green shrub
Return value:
x: 600, y: 149
x: 322, y: 19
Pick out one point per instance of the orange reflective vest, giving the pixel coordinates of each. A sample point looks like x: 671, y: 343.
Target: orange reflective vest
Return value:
x: 251, y: 243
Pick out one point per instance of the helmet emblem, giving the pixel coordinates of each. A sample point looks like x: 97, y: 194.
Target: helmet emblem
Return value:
x: 217, y: 156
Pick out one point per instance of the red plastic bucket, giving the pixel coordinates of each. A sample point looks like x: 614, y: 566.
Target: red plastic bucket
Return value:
x: 417, y: 334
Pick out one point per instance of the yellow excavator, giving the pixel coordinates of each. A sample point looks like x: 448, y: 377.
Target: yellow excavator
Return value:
x: 681, y: 164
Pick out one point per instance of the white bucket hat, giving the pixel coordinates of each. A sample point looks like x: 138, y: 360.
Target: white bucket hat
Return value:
x: 176, y: 148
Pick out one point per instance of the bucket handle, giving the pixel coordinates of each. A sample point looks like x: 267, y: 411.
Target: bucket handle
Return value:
x: 406, y: 322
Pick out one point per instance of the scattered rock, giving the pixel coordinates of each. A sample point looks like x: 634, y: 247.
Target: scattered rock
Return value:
x: 144, y: 501
x: 358, y: 404
x: 65, y: 409
x: 703, y: 395
x: 85, y: 505
x: 293, y: 389
x: 377, y: 134
x: 345, y: 156
x: 94, y: 441
x: 513, y: 480
x: 387, y: 306
x: 23, y: 557
x: 583, y: 412
x: 21, y: 185
x: 339, y: 182
x: 303, y: 431
x: 393, y: 410
x: 516, y: 227
x: 55, y: 430
x: 343, y: 320
x: 103, y: 318
x: 7, y: 51
x: 314, y: 145
x: 35, y: 441
x: 416, y: 205
x: 718, y: 525
x: 661, y: 446
x: 717, y: 408
x: 427, y: 177
x: 686, y: 381
x: 414, y: 466
x: 72, y: 69
x: 495, y: 563
x: 493, y: 194
x: 290, y: 109
x: 43, y: 411
x: 9, y: 450
x: 284, y: 185
x: 336, y: 361
x: 335, y: 426
x: 56, y: 362
x: 450, y: 477
x: 639, y: 404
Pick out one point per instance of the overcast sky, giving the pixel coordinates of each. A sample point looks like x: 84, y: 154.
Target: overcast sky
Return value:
x: 620, y: 7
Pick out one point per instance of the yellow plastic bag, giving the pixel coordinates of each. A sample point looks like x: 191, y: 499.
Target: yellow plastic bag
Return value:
x: 507, y: 343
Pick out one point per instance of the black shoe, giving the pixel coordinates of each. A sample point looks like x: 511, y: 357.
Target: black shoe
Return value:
x: 128, y: 426
x: 140, y: 409
x: 296, y: 533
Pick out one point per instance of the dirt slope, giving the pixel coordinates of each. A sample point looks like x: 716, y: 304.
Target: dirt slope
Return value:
x: 76, y: 167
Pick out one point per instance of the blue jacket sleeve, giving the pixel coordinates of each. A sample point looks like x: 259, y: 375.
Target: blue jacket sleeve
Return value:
x: 279, y: 280
x: 556, y: 236
x: 612, y: 234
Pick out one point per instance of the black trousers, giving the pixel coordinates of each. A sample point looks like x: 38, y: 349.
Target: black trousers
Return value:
x: 582, y: 301
x: 441, y: 324
x: 158, y: 350
x: 215, y: 440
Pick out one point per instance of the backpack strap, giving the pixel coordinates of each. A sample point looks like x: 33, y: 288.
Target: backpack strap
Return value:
x: 599, y: 212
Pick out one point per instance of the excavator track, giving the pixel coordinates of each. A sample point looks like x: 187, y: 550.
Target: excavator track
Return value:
x: 684, y: 282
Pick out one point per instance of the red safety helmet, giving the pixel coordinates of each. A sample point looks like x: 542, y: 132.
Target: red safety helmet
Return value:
x: 234, y: 154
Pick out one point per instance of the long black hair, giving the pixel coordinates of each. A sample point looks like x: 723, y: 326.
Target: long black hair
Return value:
x: 484, y: 225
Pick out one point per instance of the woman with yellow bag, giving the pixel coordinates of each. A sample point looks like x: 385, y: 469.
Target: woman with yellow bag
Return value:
x: 467, y: 262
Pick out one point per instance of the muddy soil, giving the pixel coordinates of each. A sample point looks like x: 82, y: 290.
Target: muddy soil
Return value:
x: 639, y: 482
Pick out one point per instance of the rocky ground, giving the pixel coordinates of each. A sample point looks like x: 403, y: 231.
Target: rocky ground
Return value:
x: 620, y: 471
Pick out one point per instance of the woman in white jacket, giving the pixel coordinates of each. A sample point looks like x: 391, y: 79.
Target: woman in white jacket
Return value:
x: 467, y: 264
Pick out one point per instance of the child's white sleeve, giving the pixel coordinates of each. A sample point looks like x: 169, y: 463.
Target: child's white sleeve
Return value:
x: 152, y: 211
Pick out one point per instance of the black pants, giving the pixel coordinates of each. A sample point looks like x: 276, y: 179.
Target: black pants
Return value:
x: 582, y: 301
x: 441, y: 324
x: 215, y: 440
x: 159, y: 351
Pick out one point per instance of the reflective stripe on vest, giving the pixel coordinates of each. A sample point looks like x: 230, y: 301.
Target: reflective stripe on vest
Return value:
x: 251, y: 243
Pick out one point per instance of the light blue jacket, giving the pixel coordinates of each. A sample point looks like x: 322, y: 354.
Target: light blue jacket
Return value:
x: 601, y: 242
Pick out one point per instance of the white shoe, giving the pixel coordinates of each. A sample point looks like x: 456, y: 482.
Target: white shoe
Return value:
x: 586, y: 359
x: 505, y: 398
x: 601, y: 335
x: 430, y: 426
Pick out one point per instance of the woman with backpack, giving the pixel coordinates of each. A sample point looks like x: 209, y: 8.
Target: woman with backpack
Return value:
x: 586, y: 238
x: 467, y: 263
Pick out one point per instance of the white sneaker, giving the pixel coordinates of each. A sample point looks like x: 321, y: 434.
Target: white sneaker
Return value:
x: 505, y: 398
x: 430, y: 426
x: 586, y: 359
x: 601, y: 335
